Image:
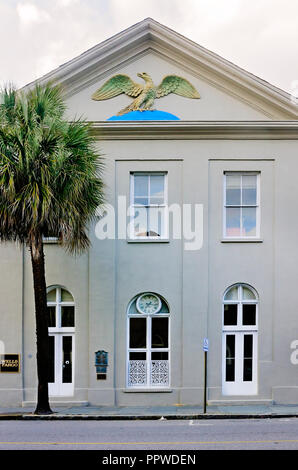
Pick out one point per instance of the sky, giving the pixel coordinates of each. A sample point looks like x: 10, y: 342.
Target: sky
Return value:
x: 260, y: 36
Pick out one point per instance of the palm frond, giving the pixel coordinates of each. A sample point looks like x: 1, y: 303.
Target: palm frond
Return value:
x: 51, y: 175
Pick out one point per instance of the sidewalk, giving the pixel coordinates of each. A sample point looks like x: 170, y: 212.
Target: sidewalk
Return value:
x: 154, y: 412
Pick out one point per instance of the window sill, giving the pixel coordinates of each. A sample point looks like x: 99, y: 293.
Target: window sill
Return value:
x: 148, y: 240
x: 241, y: 240
x: 147, y: 390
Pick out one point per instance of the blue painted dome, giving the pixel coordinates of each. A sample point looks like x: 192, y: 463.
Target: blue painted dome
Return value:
x: 153, y: 115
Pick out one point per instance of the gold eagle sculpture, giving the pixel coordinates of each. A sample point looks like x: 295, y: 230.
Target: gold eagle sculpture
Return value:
x: 144, y: 94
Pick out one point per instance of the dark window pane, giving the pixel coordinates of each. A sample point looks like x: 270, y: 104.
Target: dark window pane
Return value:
x: 67, y: 316
x: 137, y: 356
x: 137, y: 334
x: 101, y: 376
x: 247, y: 362
x: 51, y: 378
x: 230, y: 358
x: 67, y: 360
x: 230, y: 315
x: 51, y: 317
x: 230, y: 370
x: 248, y: 346
x: 159, y: 356
x: 160, y: 332
x: 249, y: 314
x: 247, y: 370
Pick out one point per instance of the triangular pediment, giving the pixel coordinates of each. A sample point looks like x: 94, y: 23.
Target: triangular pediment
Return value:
x: 227, y: 91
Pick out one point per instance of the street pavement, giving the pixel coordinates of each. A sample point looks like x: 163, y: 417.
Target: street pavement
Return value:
x: 162, y: 434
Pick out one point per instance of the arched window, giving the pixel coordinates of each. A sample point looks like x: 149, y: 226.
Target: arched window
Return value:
x: 240, y: 320
x: 61, y: 321
x: 148, y: 342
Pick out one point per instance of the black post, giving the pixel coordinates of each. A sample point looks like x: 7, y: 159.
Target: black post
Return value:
x: 205, y: 381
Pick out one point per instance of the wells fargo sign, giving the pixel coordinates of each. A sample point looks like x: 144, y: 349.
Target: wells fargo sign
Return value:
x: 9, y: 363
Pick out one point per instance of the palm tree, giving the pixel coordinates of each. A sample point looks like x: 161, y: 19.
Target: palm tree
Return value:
x: 50, y: 183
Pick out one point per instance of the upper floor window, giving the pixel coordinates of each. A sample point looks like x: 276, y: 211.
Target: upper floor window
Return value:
x: 149, y: 205
x: 241, y: 205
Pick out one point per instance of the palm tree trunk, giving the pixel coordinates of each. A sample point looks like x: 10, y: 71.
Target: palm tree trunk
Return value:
x: 42, y: 337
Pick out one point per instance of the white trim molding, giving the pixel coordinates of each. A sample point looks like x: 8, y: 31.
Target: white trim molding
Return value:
x: 195, y: 130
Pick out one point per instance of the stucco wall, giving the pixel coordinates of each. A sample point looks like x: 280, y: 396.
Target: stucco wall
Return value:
x: 104, y: 280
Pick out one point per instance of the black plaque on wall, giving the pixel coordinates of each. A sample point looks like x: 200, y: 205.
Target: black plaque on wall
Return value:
x: 10, y: 363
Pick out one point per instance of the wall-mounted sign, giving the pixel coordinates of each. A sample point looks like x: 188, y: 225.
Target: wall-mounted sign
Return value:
x: 101, y: 361
x: 101, y: 364
x: 206, y: 345
x: 10, y: 363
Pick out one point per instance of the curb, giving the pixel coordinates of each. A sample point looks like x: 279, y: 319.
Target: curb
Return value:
x: 86, y: 417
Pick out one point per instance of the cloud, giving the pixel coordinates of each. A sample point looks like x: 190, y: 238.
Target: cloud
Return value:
x: 260, y: 36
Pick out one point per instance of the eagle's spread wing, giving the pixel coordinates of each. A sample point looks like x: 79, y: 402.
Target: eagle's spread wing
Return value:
x: 117, y: 85
x: 178, y: 85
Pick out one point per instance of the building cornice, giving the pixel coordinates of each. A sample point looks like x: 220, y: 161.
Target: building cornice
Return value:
x: 195, y: 130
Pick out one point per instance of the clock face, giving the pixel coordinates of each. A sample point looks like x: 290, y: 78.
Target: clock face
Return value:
x: 148, y: 303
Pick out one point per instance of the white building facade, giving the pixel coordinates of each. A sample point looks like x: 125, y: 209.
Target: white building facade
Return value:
x: 226, y: 269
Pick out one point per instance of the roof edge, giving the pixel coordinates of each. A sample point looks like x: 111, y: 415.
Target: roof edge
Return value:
x: 150, y: 31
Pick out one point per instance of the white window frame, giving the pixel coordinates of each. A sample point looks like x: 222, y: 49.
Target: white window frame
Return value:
x: 164, y: 206
x: 148, y: 349
x: 257, y: 205
x: 57, y: 388
x: 239, y: 386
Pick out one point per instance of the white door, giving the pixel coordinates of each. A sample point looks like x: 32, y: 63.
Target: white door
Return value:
x: 239, y: 363
x: 61, y: 321
x: 61, y: 380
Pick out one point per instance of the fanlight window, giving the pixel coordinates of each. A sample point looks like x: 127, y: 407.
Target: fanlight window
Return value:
x: 240, y: 307
x: 61, y: 308
x: 148, y: 342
